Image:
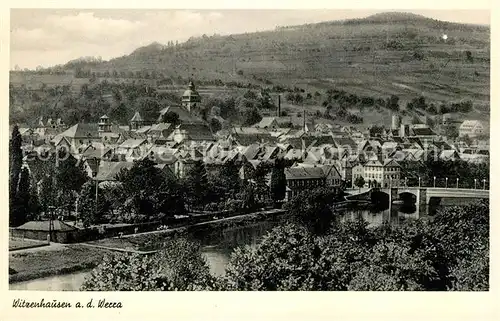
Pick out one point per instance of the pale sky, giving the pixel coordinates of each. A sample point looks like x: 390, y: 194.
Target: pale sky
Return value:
x: 47, y: 37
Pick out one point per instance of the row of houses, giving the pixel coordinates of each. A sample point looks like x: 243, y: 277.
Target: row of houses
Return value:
x: 322, y: 153
x: 104, y: 151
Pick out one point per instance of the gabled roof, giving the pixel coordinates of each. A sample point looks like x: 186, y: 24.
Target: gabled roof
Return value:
x: 196, y: 131
x: 92, y: 152
x: 448, y: 154
x: 143, y: 130
x: 443, y: 145
x: 423, y: 131
x: 160, y: 127
x: 251, y: 151
x: 93, y: 163
x: 82, y: 131
x: 248, y: 138
x: 270, y: 152
x: 132, y: 143
x: 294, y: 154
x: 344, y: 142
x: 44, y: 226
x: 471, y: 123
x: 266, y: 122
x: 311, y: 140
x: 184, y: 115
x: 304, y: 173
x: 25, y: 131
x: 373, y: 162
x: 391, y: 162
x: 58, y: 139
x: 137, y: 117
x: 330, y: 170
x: 249, y: 131
x: 389, y: 145
x: 108, y: 170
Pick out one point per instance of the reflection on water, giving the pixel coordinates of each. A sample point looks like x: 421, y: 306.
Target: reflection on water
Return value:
x: 218, y: 244
x: 66, y: 282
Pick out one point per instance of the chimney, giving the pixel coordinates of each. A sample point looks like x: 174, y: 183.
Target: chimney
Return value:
x: 304, y: 126
x: 279, y: 105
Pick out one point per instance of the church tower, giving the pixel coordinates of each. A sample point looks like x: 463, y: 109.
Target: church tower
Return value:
x: 191, y: 99
x: 104, y: 124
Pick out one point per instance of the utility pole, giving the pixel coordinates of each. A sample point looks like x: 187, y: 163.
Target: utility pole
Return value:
x: 304, y: 125
x: 96, y: 189
x: 234, y: 66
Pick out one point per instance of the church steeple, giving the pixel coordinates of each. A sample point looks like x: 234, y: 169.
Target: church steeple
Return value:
x: 190, y: 98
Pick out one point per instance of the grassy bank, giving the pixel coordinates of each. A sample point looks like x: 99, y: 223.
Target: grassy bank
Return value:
x: 16, y: 244
x: 37, y: 264
x: 76, y: 257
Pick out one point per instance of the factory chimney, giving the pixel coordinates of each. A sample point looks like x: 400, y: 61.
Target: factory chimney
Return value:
x: 279, y: 105
x: 304, y: 126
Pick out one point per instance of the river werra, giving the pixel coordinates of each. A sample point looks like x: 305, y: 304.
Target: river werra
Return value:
x: 218, y: 245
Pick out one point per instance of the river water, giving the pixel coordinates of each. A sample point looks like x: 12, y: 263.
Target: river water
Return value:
x: 218, y: 245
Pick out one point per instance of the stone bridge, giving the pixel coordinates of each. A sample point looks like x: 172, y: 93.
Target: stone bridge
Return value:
x: 421, y: 195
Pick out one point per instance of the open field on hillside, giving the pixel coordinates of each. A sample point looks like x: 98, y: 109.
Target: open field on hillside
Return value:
x: 379, y: 56
x: 35, y: 82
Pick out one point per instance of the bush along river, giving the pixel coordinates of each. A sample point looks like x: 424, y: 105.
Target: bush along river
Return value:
x: 218, y: 242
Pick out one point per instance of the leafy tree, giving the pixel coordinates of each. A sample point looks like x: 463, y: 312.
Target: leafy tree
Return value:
x: 196, y: 184
x: 47, y: 193
x: 15, y: 164
x: 312, y: 209
x: 120, y: 113
x: 278, y: 181
x: 179, y: 267
x: 467, y: 140
x: 21, y: 209
x: 90, y: 212
x: 469, y: 56
x: 251, y: 116
x: 392, y: 102
x: 472, y: 274
x: 359, y: 181
x: 250, y: 94
x: 248, y: 197
x: 148, y: 191
x: 470, y: 226
x: 184, y: 266
x: 34, y: 203
x: 171, y: 117
x: 451, y: 131
x: 228, y: 178
x: 69, y: 179
x: 148, y: 107
x: 376, y: 131
x: 215, y: 125
x: 125, y: 272
x: 278, y: 262
x: 259, y: 177
x: 392, y: 267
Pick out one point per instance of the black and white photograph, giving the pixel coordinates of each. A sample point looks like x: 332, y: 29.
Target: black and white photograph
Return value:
x: 248, y: 150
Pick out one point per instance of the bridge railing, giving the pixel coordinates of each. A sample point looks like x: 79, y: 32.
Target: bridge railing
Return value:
x: 443, y: 182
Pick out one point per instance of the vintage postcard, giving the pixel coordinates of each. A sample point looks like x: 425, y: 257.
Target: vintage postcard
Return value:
x: 221, y: 151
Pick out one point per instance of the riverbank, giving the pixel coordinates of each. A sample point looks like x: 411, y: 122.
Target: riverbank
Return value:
x: 18, y: 244
x: 58, y: 259
x: 149, y: 242
x: 46, y: 261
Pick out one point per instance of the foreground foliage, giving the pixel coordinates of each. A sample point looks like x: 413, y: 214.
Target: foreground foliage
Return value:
x: 449, y: 253
x: 179, y: 267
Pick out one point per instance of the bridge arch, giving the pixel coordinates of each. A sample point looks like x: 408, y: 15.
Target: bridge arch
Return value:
x: 380, y: 199
x: 408, y: 197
